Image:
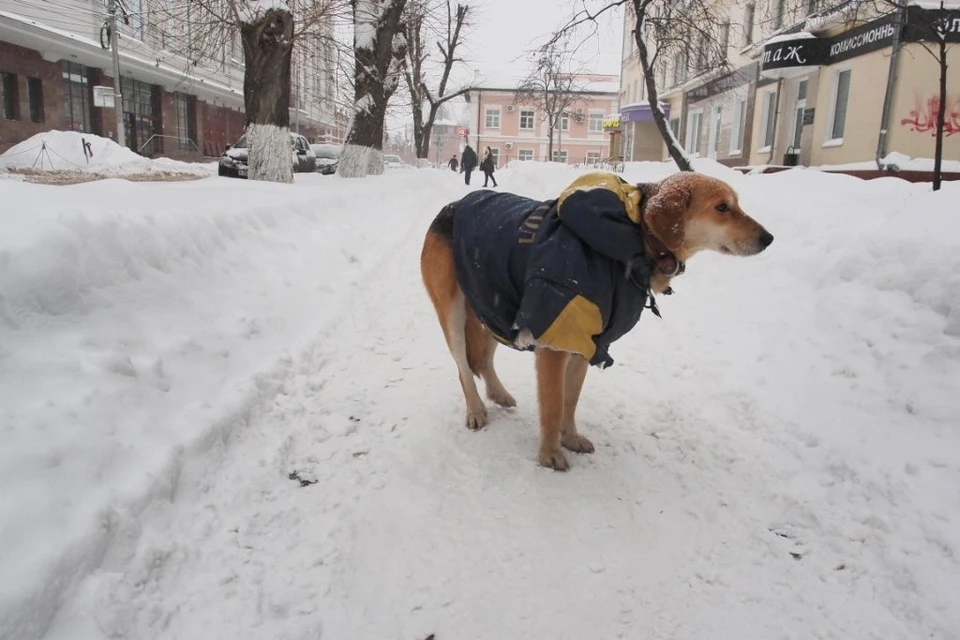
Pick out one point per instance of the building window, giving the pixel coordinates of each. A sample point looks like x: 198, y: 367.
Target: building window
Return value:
x: 35, y: 99
x: 799, y: 108
x: 694, y: 120
x: 76, y: 103
x: 11, y: 96
x: 779, y: 8
x: 525, y: 155
x: 186, y: 122
x: 565, y: 122
x: 595, y: 124
x: 838, y: 108
x: 138, y: 112
x: 749, y: 13
x: 725, y: 37
x: 526, y: 119
x: 679, y: 68
x: 675, y: 128
x: 560, y: 156
x: 812, y: 6
x: 593, y: 157
x: 768, y: 123
x: 492, y: 120
x: 739, y: 124
x: 495, y: 154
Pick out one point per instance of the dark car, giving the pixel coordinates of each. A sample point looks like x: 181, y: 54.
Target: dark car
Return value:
x: 234, y: 161
x: 328, y: 157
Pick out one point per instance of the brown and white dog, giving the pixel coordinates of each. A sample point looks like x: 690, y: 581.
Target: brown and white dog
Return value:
x: 680, y: 216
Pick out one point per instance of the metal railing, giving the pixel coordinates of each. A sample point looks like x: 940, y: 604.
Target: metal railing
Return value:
x: 159, y: 144
x: 611, y: 163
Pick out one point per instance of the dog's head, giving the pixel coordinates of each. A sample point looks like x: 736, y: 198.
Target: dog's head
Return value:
x: 691, y: 212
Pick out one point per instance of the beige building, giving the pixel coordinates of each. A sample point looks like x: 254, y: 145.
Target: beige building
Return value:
x: 519, y: 131
x: 803, y: 85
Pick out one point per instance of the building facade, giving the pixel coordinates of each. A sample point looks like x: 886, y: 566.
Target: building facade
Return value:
x: 515, y: 130
x: 182, y: 89
x: 804, y: 83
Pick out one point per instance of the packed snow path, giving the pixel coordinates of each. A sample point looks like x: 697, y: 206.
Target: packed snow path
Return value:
x: 765, y: 468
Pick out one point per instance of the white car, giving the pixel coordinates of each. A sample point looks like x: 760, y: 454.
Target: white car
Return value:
x: 391, y: 161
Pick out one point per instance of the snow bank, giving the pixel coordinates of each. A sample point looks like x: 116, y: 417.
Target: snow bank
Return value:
x: 64, y: 151
x: 132, y: 336
x: 776, y: 458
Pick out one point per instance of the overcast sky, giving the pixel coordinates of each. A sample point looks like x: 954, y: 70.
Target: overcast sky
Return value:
x: 504, y: 31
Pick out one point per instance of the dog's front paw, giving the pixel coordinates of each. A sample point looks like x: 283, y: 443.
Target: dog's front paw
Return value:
x: 554, y: 460
x: 576, y: 442
x: 477, y: 419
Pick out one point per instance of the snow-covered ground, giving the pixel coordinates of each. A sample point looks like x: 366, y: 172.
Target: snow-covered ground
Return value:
x: 779, y: 457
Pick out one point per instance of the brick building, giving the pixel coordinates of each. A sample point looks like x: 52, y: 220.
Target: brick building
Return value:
x: 516, y: 131
x: 180, y: 98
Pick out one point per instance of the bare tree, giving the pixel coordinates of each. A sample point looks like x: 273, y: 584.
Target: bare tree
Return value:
x: 552, y: 85
x: 379, y: 47
x: 427, y: 103
x: 691, y: 36
x: 266, y: 31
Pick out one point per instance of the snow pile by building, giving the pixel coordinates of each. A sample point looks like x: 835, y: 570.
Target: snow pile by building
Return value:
x: 84, y: 152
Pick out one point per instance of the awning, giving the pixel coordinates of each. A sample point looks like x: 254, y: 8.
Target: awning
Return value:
x: 642, y: 112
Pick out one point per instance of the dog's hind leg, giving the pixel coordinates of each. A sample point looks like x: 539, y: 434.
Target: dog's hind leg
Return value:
x: 436, y: 264
x: 481, y: 347
x: 574, y: 376
x: 456, y: 333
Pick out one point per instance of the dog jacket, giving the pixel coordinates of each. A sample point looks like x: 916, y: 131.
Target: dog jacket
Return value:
x: 571, y: 271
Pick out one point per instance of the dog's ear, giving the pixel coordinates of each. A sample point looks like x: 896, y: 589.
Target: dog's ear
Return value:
x: 664, y: 214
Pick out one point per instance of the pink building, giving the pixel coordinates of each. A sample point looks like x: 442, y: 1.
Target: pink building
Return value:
x: 516, y: 131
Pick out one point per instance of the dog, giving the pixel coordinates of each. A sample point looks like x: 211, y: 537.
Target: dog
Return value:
x: 567, y: 277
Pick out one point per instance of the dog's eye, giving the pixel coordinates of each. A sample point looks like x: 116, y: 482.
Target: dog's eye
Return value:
x: 723, y: 207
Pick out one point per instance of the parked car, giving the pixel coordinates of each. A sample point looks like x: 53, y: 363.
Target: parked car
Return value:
x: 328, y: 157
x: 391, y: 161
x: 235, y: 160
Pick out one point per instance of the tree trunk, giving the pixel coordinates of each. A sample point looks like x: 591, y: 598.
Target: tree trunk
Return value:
x: 423, y: 149
x: 674, y: 148
x: 941, y: 118
x: 549, y: 138
x: 267, y: 49
x: 376, y: 78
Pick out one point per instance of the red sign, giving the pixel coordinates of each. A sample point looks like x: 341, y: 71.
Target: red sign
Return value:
x: 462, y: 132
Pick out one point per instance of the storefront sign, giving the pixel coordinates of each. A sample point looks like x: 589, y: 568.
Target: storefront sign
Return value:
x: 803, y: 50
x: 612, y: 123
x: 926, y: 25
x: 872, y: 36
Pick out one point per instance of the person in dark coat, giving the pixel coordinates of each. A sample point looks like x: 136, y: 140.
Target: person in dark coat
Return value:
x: 487, y: 166
x: 453, y: 164
x: 468, y: 162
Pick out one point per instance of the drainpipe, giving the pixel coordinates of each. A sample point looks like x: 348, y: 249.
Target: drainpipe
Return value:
x: 776, y: 113
x: 891, y: 84
x: 479, y: 99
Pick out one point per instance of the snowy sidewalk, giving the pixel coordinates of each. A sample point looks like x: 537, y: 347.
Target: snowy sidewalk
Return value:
x: 777, y: 458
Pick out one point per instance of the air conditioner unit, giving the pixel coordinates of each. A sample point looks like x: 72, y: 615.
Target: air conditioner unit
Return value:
x: 510, y: 108
x: 508, y: 145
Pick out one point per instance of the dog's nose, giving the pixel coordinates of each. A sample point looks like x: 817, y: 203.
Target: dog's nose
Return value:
x: 766, y: 238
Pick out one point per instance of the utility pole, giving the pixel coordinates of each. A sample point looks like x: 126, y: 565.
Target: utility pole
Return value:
x: 117, y: 97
